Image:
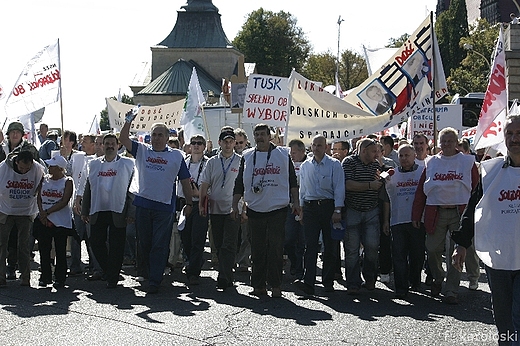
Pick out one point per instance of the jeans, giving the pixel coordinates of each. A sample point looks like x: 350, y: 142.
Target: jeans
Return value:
x: 131, y: 242
x: 83, y: 231
x: 193, y: 238
x: 407, y: 255
x: 316, y: 220
x: 154, y: 230
x: 225, y: 235
x: 294, y: 245
x: 244, y: 251
x: 448, y: 221
x: 267, y: 237
x: 23, y: 224
x: 110, y: 259
x: 505, y: 298
x: 362, y: 228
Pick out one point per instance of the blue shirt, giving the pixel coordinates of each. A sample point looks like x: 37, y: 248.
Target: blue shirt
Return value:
x: 323, y: 180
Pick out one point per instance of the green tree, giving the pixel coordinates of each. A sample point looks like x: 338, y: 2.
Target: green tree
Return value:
x: 322, y: 68
x: 274, y: 42
x: 473, y: 73
x: 104, y: 123
x: 397, y: 42
x: 450, y: 27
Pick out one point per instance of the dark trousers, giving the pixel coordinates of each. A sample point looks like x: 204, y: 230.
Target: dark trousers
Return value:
x: 110, y: 258
x: 407, y: 255
x: 385, y: 253
x: 225, y: 235
x: 267, y: 238
x: 316, y: 219
x: 294, y: 245
x: 193, y: 238
x: 45, y: 237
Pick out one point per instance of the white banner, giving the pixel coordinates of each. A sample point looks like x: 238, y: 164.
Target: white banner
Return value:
x: 168, y: 114
x: 267, y: 100
x: 494, y: 108
x: 401, y: 88
x: 38, y: 85
x: 446, y: 114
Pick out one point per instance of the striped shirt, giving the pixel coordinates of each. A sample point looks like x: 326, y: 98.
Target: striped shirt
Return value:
x: 356, y: 170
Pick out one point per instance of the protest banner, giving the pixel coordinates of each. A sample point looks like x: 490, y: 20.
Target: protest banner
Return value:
x: 267, y: 101
x: 168, y: 113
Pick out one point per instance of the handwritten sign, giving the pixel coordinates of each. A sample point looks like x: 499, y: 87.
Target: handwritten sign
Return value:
x: 448, y: 115
x: 267, y: 100
x: 168, y: 114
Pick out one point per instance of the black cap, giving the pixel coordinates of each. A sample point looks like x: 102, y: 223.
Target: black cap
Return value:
x: 226, y: 134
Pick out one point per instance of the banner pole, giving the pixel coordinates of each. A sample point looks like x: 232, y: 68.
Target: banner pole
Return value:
x: 434, y: 82
x: 61, y: 90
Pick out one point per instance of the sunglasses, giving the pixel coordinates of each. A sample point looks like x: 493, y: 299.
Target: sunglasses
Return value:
x: 197, y: 143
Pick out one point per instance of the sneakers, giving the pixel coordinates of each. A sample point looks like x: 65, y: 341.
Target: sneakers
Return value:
x: 473, y: 285
x: 384, y: 278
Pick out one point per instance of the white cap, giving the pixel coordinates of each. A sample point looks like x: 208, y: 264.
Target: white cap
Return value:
x: 57, y: 161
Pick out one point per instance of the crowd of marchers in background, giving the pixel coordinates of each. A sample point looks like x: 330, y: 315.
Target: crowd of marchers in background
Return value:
x: 377, y: 208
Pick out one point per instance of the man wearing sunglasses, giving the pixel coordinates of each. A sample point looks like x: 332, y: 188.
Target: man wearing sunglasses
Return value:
x: 193, y: 235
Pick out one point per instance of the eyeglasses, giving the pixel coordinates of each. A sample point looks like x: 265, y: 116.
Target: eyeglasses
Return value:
x: 197, y: 143
x: 241, y: 142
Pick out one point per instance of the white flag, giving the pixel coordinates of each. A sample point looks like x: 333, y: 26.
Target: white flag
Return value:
x: 494, y: 108
x: 192, y: 115
x: 94, y: 126
x: 38, y: 85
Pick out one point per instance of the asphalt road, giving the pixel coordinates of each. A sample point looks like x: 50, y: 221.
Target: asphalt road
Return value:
x: 88, y: 313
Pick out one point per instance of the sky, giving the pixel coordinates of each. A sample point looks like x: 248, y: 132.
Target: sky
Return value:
x: 103, y: 42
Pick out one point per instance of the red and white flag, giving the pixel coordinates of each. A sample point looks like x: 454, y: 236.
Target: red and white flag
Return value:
x: 494, y: 108
x: 38, y: 85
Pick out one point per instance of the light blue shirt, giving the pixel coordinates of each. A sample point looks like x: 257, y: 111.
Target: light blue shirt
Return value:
x: 323, y: 180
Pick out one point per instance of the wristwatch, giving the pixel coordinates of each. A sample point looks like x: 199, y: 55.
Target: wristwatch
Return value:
x: 337, y: 211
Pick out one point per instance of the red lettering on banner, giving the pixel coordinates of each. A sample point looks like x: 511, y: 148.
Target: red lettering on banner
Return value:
x: 497, y: 85
x: 158, y: 160
x: 493, y: 129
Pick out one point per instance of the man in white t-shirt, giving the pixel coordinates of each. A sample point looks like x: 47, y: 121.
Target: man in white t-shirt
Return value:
x: 20, y: 177
x: 442, y: 194
x: 216, y: 199
x: 107, y: 207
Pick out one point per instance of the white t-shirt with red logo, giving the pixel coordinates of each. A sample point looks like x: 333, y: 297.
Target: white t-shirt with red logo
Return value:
x: 18, y: 191
x: 52, y: 192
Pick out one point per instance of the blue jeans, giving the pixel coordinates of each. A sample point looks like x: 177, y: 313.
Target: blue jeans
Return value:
x: 23, y: 226
x: 294, y: 245
x: 505, y: 298
x: 154, y: 229
x: 316, y: 220
x: 362, y: 228
x: 193, y: 238
x: 407, y: 255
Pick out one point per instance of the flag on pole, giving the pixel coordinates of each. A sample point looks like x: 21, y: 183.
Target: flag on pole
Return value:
x: 494, y: 108
x: 94, y: 126
x: 192, y: 114
x: 38, y: 85
x: 338, y: 92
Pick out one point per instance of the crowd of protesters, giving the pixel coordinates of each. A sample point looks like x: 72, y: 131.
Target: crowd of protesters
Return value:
x: 395, y: 206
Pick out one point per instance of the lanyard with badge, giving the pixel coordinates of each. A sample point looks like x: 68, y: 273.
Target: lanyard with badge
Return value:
x: 225, y: 170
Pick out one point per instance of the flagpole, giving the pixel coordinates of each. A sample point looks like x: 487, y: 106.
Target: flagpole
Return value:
x: 61, y: 91
x: 205, y: 123
x: 434, y: 81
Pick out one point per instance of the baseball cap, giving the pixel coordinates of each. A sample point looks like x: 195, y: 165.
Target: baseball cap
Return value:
x: 57, y: 160
x: 15, y: 125
x: 226, y: 134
